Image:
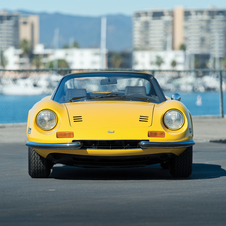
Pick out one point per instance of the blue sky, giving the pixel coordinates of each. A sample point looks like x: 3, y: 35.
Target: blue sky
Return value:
x: 102, y: 7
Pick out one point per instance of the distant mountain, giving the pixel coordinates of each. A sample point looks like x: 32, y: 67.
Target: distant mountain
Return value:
x: 85, y: 30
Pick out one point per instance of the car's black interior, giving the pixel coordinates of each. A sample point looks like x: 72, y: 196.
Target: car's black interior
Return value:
x: 73, y: 94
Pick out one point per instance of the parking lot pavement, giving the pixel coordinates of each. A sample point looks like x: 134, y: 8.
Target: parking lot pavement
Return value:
x: 205, y: 129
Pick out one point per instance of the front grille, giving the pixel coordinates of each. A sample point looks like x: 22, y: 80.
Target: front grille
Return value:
x: 77, y: 118
x: 143, y: 118
x: 110, y: 144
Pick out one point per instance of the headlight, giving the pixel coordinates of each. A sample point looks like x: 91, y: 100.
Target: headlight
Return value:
x: 173, y: 119
x: 46, y: 119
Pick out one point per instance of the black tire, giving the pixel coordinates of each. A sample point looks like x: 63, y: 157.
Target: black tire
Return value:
x: 164, y: 165
x: 38, y: 167
x: 181, y: 166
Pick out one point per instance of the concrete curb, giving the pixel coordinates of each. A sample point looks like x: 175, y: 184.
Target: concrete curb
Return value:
x: 218, y: 141
x: 13, y: 124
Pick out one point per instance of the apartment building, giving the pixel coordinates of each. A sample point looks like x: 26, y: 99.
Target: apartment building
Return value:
x: 203, y: 31
x: 29, y: 29
x: 14, y: 27
x: 152, y: 30
x: 9, y: 30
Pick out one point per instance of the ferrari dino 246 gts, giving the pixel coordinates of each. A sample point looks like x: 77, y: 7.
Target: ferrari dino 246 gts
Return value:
x: 109, y: 119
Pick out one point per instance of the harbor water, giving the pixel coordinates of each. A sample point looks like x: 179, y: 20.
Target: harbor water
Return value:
x: 14, y: 109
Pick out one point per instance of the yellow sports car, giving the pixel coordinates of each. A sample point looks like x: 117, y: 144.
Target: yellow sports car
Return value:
x: 109, y: 119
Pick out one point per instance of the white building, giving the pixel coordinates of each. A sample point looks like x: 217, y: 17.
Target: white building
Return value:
x: 146, y: 60
x: 14, y: 59
x: 87, y: 58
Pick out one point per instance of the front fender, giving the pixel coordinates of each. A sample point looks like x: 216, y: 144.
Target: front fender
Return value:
x: 36, y: 134
x: 185, y: 133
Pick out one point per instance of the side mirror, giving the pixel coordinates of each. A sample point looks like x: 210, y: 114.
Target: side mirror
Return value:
x: 176, y: 96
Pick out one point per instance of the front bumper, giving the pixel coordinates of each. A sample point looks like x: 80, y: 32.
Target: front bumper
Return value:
x: 185, y: 144
x: 142, y: 144
x: 74, y: 145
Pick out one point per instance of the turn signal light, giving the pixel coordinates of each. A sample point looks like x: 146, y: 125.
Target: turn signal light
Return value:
x: 65, y: 134
x: 156, y: 134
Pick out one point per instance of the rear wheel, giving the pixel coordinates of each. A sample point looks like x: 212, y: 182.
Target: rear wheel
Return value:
x: 181, y: 166
x: 38, y: 167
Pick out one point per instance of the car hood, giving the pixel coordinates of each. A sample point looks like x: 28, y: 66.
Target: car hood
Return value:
x: 110, y: 114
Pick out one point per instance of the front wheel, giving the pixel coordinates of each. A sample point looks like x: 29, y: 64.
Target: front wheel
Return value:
x: 38, y: 167
x: 181, y: 166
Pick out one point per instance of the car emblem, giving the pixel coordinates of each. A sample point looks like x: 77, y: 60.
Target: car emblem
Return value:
x: 111, y: 131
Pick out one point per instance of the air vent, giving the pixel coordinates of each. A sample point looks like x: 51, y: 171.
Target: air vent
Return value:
x: 143, y: 118
x: 77, y: 118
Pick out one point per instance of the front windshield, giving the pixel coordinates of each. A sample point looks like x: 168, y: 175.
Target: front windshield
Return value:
x: 76, y: 88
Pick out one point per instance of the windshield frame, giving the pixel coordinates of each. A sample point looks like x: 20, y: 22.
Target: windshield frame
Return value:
x: 146, y: 76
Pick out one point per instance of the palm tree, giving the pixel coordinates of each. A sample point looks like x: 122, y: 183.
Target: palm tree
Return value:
x: 223, y: 63
x: 65, y: 46
x: 182, y: 47
x: 75, y: 45
x: 37, y: 61
x: 197, y: 63
x: 25, y: 45
x: 116, y: 60
x: 159, y: 61
x: 173, y: 64
x: 4, y: 61
x: 60, y: 62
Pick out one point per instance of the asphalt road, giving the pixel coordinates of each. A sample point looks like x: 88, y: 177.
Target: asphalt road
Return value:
x: 136, y: 196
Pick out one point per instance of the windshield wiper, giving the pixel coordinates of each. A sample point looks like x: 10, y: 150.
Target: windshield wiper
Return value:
x: 139, y: 98
x: 120, y: 96
x: 107, y: 95
x: 77, y: 98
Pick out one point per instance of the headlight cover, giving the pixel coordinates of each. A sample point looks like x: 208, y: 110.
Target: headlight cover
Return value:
x: 173, y: 119
x: 46, y: 119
